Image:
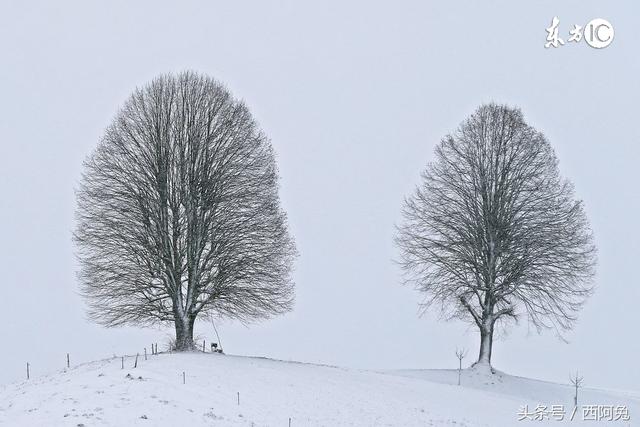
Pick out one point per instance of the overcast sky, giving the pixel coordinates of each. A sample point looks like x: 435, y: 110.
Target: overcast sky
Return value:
x: 354, y: 98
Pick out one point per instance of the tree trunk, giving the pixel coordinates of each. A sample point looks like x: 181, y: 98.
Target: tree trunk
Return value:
x: 486, y: 344
x: 184, y: 333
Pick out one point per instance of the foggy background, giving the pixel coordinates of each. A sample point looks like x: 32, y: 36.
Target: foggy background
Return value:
x: 354, y: 98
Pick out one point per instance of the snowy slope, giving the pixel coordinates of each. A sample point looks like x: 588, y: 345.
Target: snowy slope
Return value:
x: 272, y: 392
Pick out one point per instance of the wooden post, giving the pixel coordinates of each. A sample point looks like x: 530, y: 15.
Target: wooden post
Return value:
x: 145, y: 353
x: 122, y: 362
x: 27, y: 370
x: 289, y: 421
x: 68, y: 364
x: 135, y: 365
x: 204, y: 350
x: 184, y: 378
x: 238, y: 398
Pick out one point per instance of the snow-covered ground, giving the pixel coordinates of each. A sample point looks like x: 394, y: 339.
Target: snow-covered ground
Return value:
x: 276, y: 393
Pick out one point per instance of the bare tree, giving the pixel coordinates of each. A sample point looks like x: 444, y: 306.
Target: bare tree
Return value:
x: 494, y: 232
x: 576, y: 381
x: 179, y: 215
x: 460, y: 354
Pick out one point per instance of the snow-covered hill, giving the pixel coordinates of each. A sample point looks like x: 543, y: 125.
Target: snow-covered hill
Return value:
x: 276, y: 393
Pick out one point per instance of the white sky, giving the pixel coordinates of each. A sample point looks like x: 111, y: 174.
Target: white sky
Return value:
x: 354, y: 98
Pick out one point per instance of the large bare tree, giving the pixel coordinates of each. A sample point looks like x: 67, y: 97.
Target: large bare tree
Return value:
x: 179, y: 215
x: 494, y: 232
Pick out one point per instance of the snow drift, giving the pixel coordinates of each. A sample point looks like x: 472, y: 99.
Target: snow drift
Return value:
x: 197, y: 389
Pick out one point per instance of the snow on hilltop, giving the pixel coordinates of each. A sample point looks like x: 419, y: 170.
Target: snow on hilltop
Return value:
x: 273, y: 392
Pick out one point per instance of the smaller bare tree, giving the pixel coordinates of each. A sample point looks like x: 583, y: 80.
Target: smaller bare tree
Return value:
x: 460, y: 354
x: 494, y: 233
x: 576, y: 381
